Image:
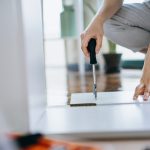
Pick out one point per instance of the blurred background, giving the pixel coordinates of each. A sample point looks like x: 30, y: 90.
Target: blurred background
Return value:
x: 67, y: 70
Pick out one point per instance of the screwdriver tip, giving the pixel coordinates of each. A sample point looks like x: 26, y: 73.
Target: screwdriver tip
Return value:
x: 95, y: 91
x: 95, y: 96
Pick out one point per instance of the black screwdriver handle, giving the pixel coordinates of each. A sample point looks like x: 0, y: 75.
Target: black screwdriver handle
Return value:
x: 91, y: 48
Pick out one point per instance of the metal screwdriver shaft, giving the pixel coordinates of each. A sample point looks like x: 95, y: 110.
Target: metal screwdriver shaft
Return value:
x: 91, y: 48
x: 94, y: 82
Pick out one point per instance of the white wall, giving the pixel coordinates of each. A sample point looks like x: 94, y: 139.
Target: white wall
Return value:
x: 22, y: 72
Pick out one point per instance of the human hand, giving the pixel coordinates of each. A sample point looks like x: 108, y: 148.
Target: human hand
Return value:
x: 94, y: 30
x: 144, y: 87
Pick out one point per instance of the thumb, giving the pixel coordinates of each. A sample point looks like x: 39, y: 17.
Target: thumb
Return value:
x: 138, y: 91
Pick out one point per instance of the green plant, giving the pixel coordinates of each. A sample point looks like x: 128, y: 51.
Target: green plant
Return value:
x: 112, y: 47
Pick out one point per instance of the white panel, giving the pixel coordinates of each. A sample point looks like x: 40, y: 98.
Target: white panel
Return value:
x: 12, y: 79
x: 22, y: 76
x: 105, y: 98
x: 34, y: 58
x: 102, y: 121
x: 116, y: 116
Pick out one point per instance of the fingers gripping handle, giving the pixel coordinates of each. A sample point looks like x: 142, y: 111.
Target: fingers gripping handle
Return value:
x: 91, y: 48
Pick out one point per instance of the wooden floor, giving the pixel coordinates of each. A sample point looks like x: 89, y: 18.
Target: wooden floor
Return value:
x: 61, y: 83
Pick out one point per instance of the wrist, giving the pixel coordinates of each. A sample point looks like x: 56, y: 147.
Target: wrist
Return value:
x: 100, y: 18
x: 145, y: 75
x: 147, y: 62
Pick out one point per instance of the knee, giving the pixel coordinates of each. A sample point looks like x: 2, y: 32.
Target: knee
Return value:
x: 109, y: 28
x: 126, y: 36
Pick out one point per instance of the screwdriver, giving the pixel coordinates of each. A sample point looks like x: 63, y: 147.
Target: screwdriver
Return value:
x: 91, y: 48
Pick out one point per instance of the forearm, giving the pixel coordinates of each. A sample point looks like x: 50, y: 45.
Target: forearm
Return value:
x: 146, y: 67
x: 144, y: 87
x: 108, y: 9
x: 95, y: 28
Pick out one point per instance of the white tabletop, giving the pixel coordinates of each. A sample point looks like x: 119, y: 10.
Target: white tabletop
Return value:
x: 129, y: 119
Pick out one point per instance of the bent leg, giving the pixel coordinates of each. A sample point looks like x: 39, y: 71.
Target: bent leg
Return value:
x: 128, y: 28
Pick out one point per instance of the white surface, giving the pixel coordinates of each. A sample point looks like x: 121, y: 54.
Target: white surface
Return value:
x: 105, y: 98
x: 101, y: 121
x: 22, y: 76
x: 34, y: 60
